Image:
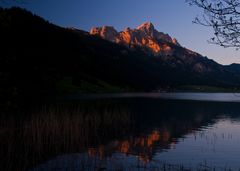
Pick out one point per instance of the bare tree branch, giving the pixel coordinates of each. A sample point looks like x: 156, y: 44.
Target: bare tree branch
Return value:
x: 224, y: 17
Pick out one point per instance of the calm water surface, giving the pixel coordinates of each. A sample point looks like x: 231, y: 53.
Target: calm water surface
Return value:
x: 223, y: 97
x: 183, y: 131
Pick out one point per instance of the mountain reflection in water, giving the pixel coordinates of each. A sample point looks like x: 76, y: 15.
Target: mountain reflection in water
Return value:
x: 122, y: 134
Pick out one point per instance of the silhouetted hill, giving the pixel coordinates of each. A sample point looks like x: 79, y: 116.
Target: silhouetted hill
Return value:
x: 39, y: 59
x: 233, y: 68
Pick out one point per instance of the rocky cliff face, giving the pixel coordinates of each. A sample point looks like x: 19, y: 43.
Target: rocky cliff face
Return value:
x: 144, y: 36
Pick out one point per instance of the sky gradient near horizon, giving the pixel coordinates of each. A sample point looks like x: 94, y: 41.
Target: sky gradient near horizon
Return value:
x: 169, y: 16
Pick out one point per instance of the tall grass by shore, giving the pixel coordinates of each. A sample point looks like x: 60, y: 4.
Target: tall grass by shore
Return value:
x: 55, y: 130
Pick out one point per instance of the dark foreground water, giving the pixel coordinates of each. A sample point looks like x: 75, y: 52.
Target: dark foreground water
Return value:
x: 143, y: 132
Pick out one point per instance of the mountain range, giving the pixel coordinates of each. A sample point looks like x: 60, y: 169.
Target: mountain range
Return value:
x: 171, y: 54
x: 144, y: 36
x: 40, y: 58
x: 154, y: 43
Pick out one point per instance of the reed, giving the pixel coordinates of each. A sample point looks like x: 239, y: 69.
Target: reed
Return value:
x: 56, y: 130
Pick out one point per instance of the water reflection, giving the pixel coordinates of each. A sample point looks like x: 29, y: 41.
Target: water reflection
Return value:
x: 123, y: 134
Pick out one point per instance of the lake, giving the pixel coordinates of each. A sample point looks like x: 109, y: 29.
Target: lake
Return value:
x: 142, y: 131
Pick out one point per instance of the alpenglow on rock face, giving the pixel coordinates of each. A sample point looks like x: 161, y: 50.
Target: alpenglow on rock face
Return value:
x: 144, y: 36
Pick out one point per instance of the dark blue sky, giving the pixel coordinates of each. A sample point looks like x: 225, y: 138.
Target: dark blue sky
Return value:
x: 170, y: 16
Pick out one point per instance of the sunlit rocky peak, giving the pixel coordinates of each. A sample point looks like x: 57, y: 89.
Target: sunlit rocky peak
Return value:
x: 147, y: 28
x: 106, y: 32
x: 145, y: 36
x: 147, y: 25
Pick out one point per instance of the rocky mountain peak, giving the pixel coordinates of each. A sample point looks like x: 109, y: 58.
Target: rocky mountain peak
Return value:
x: 146, y: 25
x: 147, y: 28
x: 106, y: 32
x: 145, y: 36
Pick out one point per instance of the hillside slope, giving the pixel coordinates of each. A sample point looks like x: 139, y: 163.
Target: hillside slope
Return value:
x: 39, y: 58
